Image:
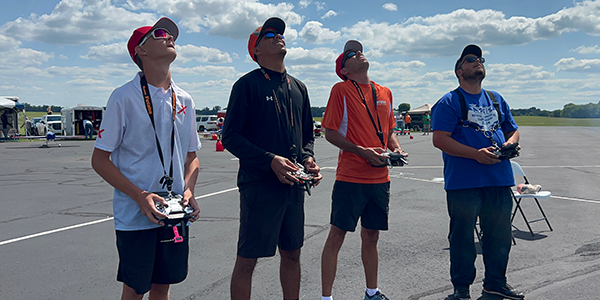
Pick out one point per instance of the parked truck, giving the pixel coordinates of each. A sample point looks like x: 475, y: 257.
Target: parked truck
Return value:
x: 72, y: 119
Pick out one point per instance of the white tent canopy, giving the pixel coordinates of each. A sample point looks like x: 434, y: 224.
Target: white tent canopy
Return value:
x: 421, y: 109
x: 8, y: 101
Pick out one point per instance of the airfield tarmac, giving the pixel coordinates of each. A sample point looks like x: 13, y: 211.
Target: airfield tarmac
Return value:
x: 57, y: 239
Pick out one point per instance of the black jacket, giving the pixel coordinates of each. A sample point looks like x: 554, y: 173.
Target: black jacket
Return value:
x: 258, y: 124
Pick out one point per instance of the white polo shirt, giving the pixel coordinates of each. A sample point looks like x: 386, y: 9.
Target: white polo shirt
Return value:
x: 126, y: 131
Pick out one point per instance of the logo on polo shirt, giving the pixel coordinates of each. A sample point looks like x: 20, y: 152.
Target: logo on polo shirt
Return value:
x: 269, y: 98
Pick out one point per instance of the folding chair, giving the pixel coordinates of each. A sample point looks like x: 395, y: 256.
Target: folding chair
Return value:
x: 518, y: 171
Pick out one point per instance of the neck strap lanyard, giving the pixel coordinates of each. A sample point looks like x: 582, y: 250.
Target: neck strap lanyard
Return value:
x: 289, y: 121
x: 362, y: 97
x: 167, y: 179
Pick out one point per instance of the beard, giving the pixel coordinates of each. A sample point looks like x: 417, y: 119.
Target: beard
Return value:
x: 475, y: 76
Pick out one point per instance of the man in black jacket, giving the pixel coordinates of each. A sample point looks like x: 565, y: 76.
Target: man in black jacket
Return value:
x: 272, y: 201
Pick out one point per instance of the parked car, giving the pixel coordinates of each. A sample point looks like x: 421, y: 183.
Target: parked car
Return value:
x: 206, y: 122
x: 34, y: 122
x: 317, y: 128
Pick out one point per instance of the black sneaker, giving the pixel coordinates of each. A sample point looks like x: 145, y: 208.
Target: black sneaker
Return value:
x: 459, y: 294
x: 506, y: 291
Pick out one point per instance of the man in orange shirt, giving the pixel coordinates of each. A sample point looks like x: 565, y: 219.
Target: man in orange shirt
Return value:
x: 359, y: 119
x: 407, y: 121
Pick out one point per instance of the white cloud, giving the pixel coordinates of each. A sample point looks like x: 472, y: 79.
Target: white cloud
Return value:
x: 212, y: 71
x: 87, y: 82
x: 300, y: 55
x: 7, y: 43
x: 20, y: 58
x: 230, y: 18
x: 390, y: 7
x: 445, y: 34
x: 329, y: 14
x: 111, y: 53
x: 586, y: 50
x: 201, y: 54
x: 517, y: 72
x: 78, y: 22
x: 313, y: 32
x: 304, y: 3
x: 578, y: 65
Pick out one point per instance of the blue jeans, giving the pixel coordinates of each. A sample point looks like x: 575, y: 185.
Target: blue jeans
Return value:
x: 89, y: 129
x: 493, y: 205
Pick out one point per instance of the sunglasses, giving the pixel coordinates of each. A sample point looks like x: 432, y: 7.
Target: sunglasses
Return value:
x: 157, y: 34
x: 471, y: 59
x: 349, y: 54
x: 269, y: 35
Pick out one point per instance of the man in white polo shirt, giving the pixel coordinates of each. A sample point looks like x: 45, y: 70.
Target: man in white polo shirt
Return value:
x: 139, y: 162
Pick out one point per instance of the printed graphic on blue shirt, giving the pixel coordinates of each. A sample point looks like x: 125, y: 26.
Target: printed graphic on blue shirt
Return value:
x: 486, y: 117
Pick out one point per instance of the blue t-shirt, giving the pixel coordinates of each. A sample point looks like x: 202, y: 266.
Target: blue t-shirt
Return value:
x: 465, y: 173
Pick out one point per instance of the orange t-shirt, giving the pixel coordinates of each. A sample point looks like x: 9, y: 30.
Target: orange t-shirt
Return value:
x: 347, y: 114
x: 407, y: 119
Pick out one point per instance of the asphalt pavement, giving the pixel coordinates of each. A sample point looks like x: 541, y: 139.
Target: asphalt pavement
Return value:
x: 57, y: 239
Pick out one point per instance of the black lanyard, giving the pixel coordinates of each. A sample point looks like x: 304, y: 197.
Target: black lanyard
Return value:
x: 167, y: 179
x: 362, y: 97
x: 289, y: 121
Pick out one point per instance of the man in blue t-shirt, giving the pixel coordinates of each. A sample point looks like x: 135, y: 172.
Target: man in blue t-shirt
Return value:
x: 477, y: 182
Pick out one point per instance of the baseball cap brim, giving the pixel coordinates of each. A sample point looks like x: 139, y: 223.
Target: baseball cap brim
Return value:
x: 274, y: 23
x: 469, y: 49
x: 351, y: 45
x: 141, y: 32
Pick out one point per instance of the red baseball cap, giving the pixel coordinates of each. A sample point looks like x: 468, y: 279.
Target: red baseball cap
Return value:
x: 351, y: 45
x: 141, y: 32
x: 273, y: 23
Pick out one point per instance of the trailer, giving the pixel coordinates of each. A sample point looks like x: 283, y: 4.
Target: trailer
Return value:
x: 72, y: 119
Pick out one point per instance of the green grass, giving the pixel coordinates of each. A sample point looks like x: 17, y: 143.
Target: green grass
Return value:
x: 549, y: 121
x: 37, y: 114
x: 544, y: 121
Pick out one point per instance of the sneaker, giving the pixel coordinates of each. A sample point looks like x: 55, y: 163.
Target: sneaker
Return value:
x: 377, y: 296
x: 506, y: 291
x: 459, y: 294
x: 529, y: 188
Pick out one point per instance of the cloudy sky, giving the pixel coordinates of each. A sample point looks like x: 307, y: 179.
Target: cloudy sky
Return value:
x: 542, y: 53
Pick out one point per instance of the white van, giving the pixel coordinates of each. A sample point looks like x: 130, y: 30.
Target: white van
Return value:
x: 206, y: 122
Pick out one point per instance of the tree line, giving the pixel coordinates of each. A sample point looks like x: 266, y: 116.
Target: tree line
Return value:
x: 570, y: 110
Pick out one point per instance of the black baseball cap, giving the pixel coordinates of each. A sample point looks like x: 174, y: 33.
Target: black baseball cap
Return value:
x: 470, y: 49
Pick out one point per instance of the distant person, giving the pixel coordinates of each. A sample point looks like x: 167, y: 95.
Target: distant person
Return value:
x: 407, y: 122
x: 152, y: 255
x: 41, y: 128
x: 5, y: 124
x: 426, y: 123
x: 27, y: 126
x: 362, y: 184
x: 271, y: 201
x: 89, y: 128
x: 400, y: 122
x: 477, y: 183
x: 49, y: 110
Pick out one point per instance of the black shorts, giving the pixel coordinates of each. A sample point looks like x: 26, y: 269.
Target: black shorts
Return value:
x: 271, y: 216
x: 351, y: 200
x: 144, y: 259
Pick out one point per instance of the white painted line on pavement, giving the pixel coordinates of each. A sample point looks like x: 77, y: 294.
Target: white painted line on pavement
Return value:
x: 90, y: 223
x: 575, y: 199
x: 53, y: 231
